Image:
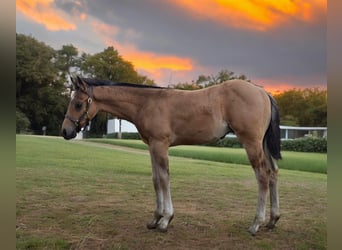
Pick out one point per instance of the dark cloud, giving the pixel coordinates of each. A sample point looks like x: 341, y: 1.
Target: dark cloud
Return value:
x: 296, y: 49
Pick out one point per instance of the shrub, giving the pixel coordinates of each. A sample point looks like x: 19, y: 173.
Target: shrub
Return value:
x: 22, y: 122
x: 310, y: 144
x: 125, y: 135
x: 226, y: 142
x: 317, y: 145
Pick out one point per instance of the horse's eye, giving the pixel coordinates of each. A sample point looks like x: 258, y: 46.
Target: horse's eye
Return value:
x: 78, y: 105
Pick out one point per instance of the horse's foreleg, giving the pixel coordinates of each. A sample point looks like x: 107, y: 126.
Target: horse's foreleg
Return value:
x: 161, y: 181
x: 273, y: 185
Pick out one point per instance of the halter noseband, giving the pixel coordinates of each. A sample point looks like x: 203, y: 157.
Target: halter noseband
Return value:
x: 85, y: 114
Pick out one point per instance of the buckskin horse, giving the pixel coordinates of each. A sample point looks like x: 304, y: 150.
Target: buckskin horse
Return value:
x: 168, y: 117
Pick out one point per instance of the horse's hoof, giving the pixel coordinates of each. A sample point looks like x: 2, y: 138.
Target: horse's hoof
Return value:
x: 272, y: 223
x: 252, y: 230
x: 162, y: 230
x: 154, y: 223
x: 151, y: 226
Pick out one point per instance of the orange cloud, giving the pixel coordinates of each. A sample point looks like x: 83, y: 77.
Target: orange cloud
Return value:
x: 143, y: 60
x: 150, y: 61
x: 83, y: 16
x: 279, y: 86
x: 104, y: 30
x: 252, y: 14
x: 41, y: 11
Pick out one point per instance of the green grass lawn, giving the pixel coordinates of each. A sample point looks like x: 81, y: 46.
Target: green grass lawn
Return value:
x: 310, y: 162
x: 76, y: 195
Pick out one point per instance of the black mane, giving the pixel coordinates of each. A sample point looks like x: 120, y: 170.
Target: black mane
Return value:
x: 98, y: 82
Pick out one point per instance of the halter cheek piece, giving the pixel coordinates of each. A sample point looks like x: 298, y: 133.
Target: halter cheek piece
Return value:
x: 85, y: 114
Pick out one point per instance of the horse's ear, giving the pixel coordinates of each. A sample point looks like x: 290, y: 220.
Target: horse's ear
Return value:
x: 73, y: 81
x: 80, y: 84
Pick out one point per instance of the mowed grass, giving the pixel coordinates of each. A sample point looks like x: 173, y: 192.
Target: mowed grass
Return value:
x: 79, y: 195
x: 310, y: 162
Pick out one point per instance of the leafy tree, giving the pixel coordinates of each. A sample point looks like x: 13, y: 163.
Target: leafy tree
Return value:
x: 288, y: 120
x: 222, y: 76
x: 110, y: 65
x: 303, y: 107
x: 39, y: 89
x: 316, y: 113
x: 291, y: 105
x: 67, y: 59
x: 22, y: 122
x: 98, y: 126
x: 186, y: 86
x: 204, y: 81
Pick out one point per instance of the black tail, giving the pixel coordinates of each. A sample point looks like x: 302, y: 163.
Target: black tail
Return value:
x: 272, y: 135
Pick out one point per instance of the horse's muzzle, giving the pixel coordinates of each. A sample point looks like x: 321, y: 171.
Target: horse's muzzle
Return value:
x: 68, y: 133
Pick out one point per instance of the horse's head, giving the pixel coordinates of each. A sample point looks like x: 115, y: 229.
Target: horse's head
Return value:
x: 81, y: 109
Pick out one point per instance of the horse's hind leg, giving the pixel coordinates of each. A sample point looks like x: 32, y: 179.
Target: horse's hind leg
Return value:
x: 273, y: 185
x: 161, y: 181
x: 256, y: 157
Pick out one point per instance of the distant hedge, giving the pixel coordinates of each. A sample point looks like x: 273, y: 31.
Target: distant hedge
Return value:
x: 125, y: 135
x: 318, y: 145
x: 226, y: 142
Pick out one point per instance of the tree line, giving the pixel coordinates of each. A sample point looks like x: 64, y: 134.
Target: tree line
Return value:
x: 43, y: 88
x: 42, y: 81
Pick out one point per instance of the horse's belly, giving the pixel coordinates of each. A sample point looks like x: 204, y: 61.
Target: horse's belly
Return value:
x: 200, y: 134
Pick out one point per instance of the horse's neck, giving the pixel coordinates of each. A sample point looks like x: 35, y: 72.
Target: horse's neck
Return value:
x: 122, y: 102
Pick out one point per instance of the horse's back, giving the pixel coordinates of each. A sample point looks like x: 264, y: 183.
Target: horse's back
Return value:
x: 200, y: 116
x: 245, y: 90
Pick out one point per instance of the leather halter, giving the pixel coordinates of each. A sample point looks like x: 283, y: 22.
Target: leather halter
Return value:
x: 85, y: 114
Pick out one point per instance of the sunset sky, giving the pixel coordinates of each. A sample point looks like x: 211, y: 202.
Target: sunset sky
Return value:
x: 278, y: 44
